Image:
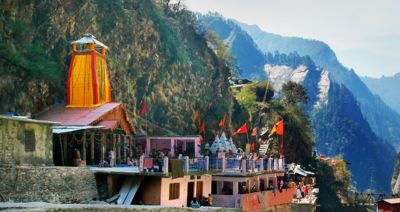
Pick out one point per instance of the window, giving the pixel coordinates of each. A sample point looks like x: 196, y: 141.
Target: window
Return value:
x: 173, y: 191
x: 214, y: 187
x: 192, y: 177
x: 227, y: 188
x: 242, y: 188
x: 198, y: 177
x: 30, y: 141
x: 262, y: 184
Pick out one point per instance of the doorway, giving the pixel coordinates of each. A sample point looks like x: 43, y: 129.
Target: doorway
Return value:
x: 190, y: 192
x: 199, y: 190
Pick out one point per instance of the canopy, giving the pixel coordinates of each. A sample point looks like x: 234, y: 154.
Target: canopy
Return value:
x: 89, y: 38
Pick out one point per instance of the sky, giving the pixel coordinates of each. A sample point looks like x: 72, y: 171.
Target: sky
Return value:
x: 365, y: 34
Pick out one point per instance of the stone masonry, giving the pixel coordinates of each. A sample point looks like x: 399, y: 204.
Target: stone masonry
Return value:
x: 47, y: 184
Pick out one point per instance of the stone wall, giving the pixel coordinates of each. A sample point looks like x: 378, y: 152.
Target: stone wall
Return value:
x: 25, y: 141
x: 48, y: 184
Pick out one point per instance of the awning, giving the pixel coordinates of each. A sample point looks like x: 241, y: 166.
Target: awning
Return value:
x: 67, y: 129
x: 296, y: 169
x: 108, y: 125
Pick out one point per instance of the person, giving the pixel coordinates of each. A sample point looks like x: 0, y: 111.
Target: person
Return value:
x: 209, y: 200
x: 298, y: 193
x: 194, y: 203
x: 281, y: 185
x: 130, y: 163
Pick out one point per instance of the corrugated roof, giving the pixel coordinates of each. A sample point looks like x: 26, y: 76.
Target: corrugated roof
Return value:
x: 68, y: 129
x: 108, y: 125
x: 26, y: 119
x: 77, y: 116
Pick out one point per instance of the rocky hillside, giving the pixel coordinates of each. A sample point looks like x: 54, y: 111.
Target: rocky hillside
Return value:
x: 382, y: 119
x: 386, y: 88
x: 246, y: 55
x: 339, y: 126
x: 156, y: 55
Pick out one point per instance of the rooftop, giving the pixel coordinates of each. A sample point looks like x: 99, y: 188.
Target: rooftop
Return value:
x: 77, y: 116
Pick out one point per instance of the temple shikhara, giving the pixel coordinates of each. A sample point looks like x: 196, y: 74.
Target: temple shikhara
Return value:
x: 95, y: 133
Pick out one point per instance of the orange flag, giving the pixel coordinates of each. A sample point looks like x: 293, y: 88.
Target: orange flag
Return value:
x: 202, y: 128
x: 277, y: 128
x: 144, y: 109
x: 222, y: 122
x: 242, y: 129
x: 254, y: 133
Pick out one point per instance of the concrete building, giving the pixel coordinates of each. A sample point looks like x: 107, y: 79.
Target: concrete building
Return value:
x: 25, y: 141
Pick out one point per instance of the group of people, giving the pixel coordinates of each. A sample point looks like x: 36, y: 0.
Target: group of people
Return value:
x: 203, y: 201
x: 303, y: 190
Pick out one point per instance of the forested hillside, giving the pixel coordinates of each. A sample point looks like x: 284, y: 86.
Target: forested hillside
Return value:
x: 386, y: 88
x: 156, y: 55
x: 339, y: 127
x: 381, y: 118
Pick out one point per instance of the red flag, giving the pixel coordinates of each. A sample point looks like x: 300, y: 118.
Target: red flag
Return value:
x: 202, y: 128
x: 252, y: 147
x: 144, y: 109
x: 279, y: 127
x: 242, y: 129
x: 222, y: 122
x: 254, y: 133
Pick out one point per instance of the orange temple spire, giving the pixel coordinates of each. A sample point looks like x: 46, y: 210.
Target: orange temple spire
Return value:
x: 88, y: 83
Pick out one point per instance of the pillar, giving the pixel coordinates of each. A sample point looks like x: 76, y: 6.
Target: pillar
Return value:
x: 148, y: 148
x: 244, y: 169
x: 207, y: 163
x: 186, y: 165
x: 92, y: 148
x: 118, y: 149
x: 223, y: 163
x: 102, y: 143
x: 124, y: 155
x: 141, y: 161
x: 269, y: 164
x: 165, y: 166
x: 65, y: 149
x: 114, y: 147
x: 261, y: 160
x: 131, y: 147
x: 84, y: 146
x: 173, y: 143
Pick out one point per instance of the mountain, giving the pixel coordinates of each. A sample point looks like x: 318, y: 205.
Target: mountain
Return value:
x: 383, y: 120
x: 339, y: 125
x: 155, y: 55
x: 248, y: 58
x: 386, y: 88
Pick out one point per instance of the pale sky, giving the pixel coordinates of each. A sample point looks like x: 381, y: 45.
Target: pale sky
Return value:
x: 365, y: 34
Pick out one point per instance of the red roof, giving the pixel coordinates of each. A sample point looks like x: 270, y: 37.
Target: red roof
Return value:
x: 108, y: 125
x: 392, y: 201
x: 78, y: 116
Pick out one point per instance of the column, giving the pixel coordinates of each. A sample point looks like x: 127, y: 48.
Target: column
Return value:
x: 261, y: 160
x: 172, y: 146
x: 186, y: 165
x: 65, y: 148
x: 207, y: 163
x: 141, y: 161
x: 223, y: 163
x: 124, y: 157
x: 92, y: 148
x: 118, y: 149
x: 165, y: 166
x: 244, y: 169
x: 148, y: 148
x: 102, y: 143
x: 269, y: 164
x: 84, y: 146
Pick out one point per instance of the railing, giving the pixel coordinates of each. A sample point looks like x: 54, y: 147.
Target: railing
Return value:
x: 215, y: 163
x: 228, y: 165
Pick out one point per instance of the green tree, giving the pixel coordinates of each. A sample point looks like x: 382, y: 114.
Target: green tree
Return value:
x: 294, y: 93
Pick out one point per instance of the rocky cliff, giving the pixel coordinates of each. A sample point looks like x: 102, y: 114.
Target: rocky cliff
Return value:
x: 156, y: 55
